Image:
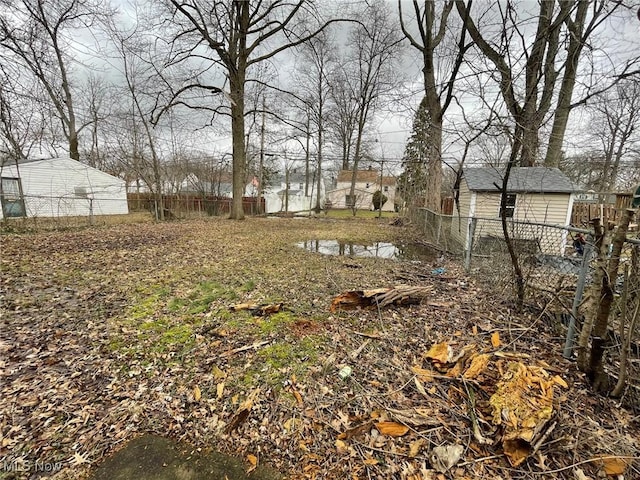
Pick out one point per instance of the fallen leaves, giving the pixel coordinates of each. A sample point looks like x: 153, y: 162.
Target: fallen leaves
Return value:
x: 243, y: 412
x: 102, y: 338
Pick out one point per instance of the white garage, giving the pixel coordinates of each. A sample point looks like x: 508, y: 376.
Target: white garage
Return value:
x: 59, y: 187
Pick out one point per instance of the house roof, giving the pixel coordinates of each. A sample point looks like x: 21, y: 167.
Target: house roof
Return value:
x: 521, y: 179
x: 7, y: 162
x: 365, y: 176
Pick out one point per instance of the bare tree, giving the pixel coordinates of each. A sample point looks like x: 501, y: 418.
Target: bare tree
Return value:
x: 235, y: 36
x: 615, y: 124
x: 96, y: 96
x: 375, y: 46
x: 343, y: 114
x: 33, y: 31
x: 315, y: 74
x: 528, y: 90
x: 432, y: 27
x: 135, y: 72
x: 20, y: 121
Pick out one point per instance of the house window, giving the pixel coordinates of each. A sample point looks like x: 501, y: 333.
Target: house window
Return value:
x: 510, y: 205
x: 368, y: 185
x: 349, y: 200
x: 11, y: 198
x: 386, y: 189
x: 300, y: 186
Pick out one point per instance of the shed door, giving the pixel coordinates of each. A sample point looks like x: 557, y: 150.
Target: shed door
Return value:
x: 11, y: 197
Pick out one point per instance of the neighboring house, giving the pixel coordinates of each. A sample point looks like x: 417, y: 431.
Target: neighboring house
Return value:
x: 535, y: 194
x: 280, y: 196
x: 367, y: 183
x: 221, y: 186
x: 58, y: 187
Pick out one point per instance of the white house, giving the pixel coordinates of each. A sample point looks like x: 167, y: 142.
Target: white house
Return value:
x: 294, y: 196
x: 367, y: 183
x: 58, y: 187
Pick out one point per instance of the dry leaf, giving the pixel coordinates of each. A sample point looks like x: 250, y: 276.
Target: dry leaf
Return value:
x: 423, y: 374
x: 415, y: 447
x: 614, y: 465
x: 560, y: 381
x: 495, y: 339
x: 197, y: 394
x: 243, y: 412
x: 578, y: 474
x: 341, y: 446
x: 220, y: 390
x: 420, y: 388
x: 253, y: 460
x: 218, y: 374
x: 370, y: 461
x: 478, y: 365
x: 440, y: 352
x: 392, y: 429
x: 445, y: 457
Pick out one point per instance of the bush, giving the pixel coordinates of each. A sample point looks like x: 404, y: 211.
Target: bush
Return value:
x: 379, y: 199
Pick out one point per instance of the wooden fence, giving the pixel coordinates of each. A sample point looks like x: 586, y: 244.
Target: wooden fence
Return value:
x: 187, y: 205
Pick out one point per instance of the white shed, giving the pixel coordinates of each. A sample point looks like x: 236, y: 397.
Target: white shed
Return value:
x: 534, y: 194
x: 59, y: 187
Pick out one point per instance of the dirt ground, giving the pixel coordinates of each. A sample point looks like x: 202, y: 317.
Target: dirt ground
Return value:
x: 113, y: 332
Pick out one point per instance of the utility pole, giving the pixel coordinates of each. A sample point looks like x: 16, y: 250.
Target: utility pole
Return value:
x: 306, y: 169
x: 381, y: 189
x: 260, y: 174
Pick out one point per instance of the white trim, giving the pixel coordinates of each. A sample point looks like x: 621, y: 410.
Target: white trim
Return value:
x: 563, y: 238
x: 472, y: 213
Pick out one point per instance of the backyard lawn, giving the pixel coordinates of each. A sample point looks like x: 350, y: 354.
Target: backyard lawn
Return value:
x: 114, y: 331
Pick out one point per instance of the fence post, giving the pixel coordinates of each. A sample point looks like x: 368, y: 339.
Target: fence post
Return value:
x: 91, y: 217
x: 577, y: 299
x: 471, y: 234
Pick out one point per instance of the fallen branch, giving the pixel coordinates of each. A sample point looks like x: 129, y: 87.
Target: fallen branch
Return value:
x: 401, y: 295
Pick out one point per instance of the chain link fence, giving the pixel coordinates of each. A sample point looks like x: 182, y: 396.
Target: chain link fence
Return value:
x: 558, y: 265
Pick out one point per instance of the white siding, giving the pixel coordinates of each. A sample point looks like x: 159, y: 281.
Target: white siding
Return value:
x: 551, y: 208
x: 460, y: 221
x: 54, y: 188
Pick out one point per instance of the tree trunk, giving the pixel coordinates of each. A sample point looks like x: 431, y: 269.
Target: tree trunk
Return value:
x: 237, y: 70
x: 594, y: 294
x: 356, y: 161
x: 73, y: 145
x: 595, y: 371
x: 563, y: 107
x: 434, y: 168
x: 515, y: 261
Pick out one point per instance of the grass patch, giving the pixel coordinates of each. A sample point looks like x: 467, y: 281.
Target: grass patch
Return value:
x: 275, y: 322
x: 282, y: 360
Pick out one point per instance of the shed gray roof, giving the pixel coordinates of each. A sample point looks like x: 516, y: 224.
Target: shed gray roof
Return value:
x: 521, y: 179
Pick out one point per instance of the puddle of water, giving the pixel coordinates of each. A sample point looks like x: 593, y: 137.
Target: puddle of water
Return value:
x: 375, y: 250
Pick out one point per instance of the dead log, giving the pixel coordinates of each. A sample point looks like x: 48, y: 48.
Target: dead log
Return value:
x: 402, y: 295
